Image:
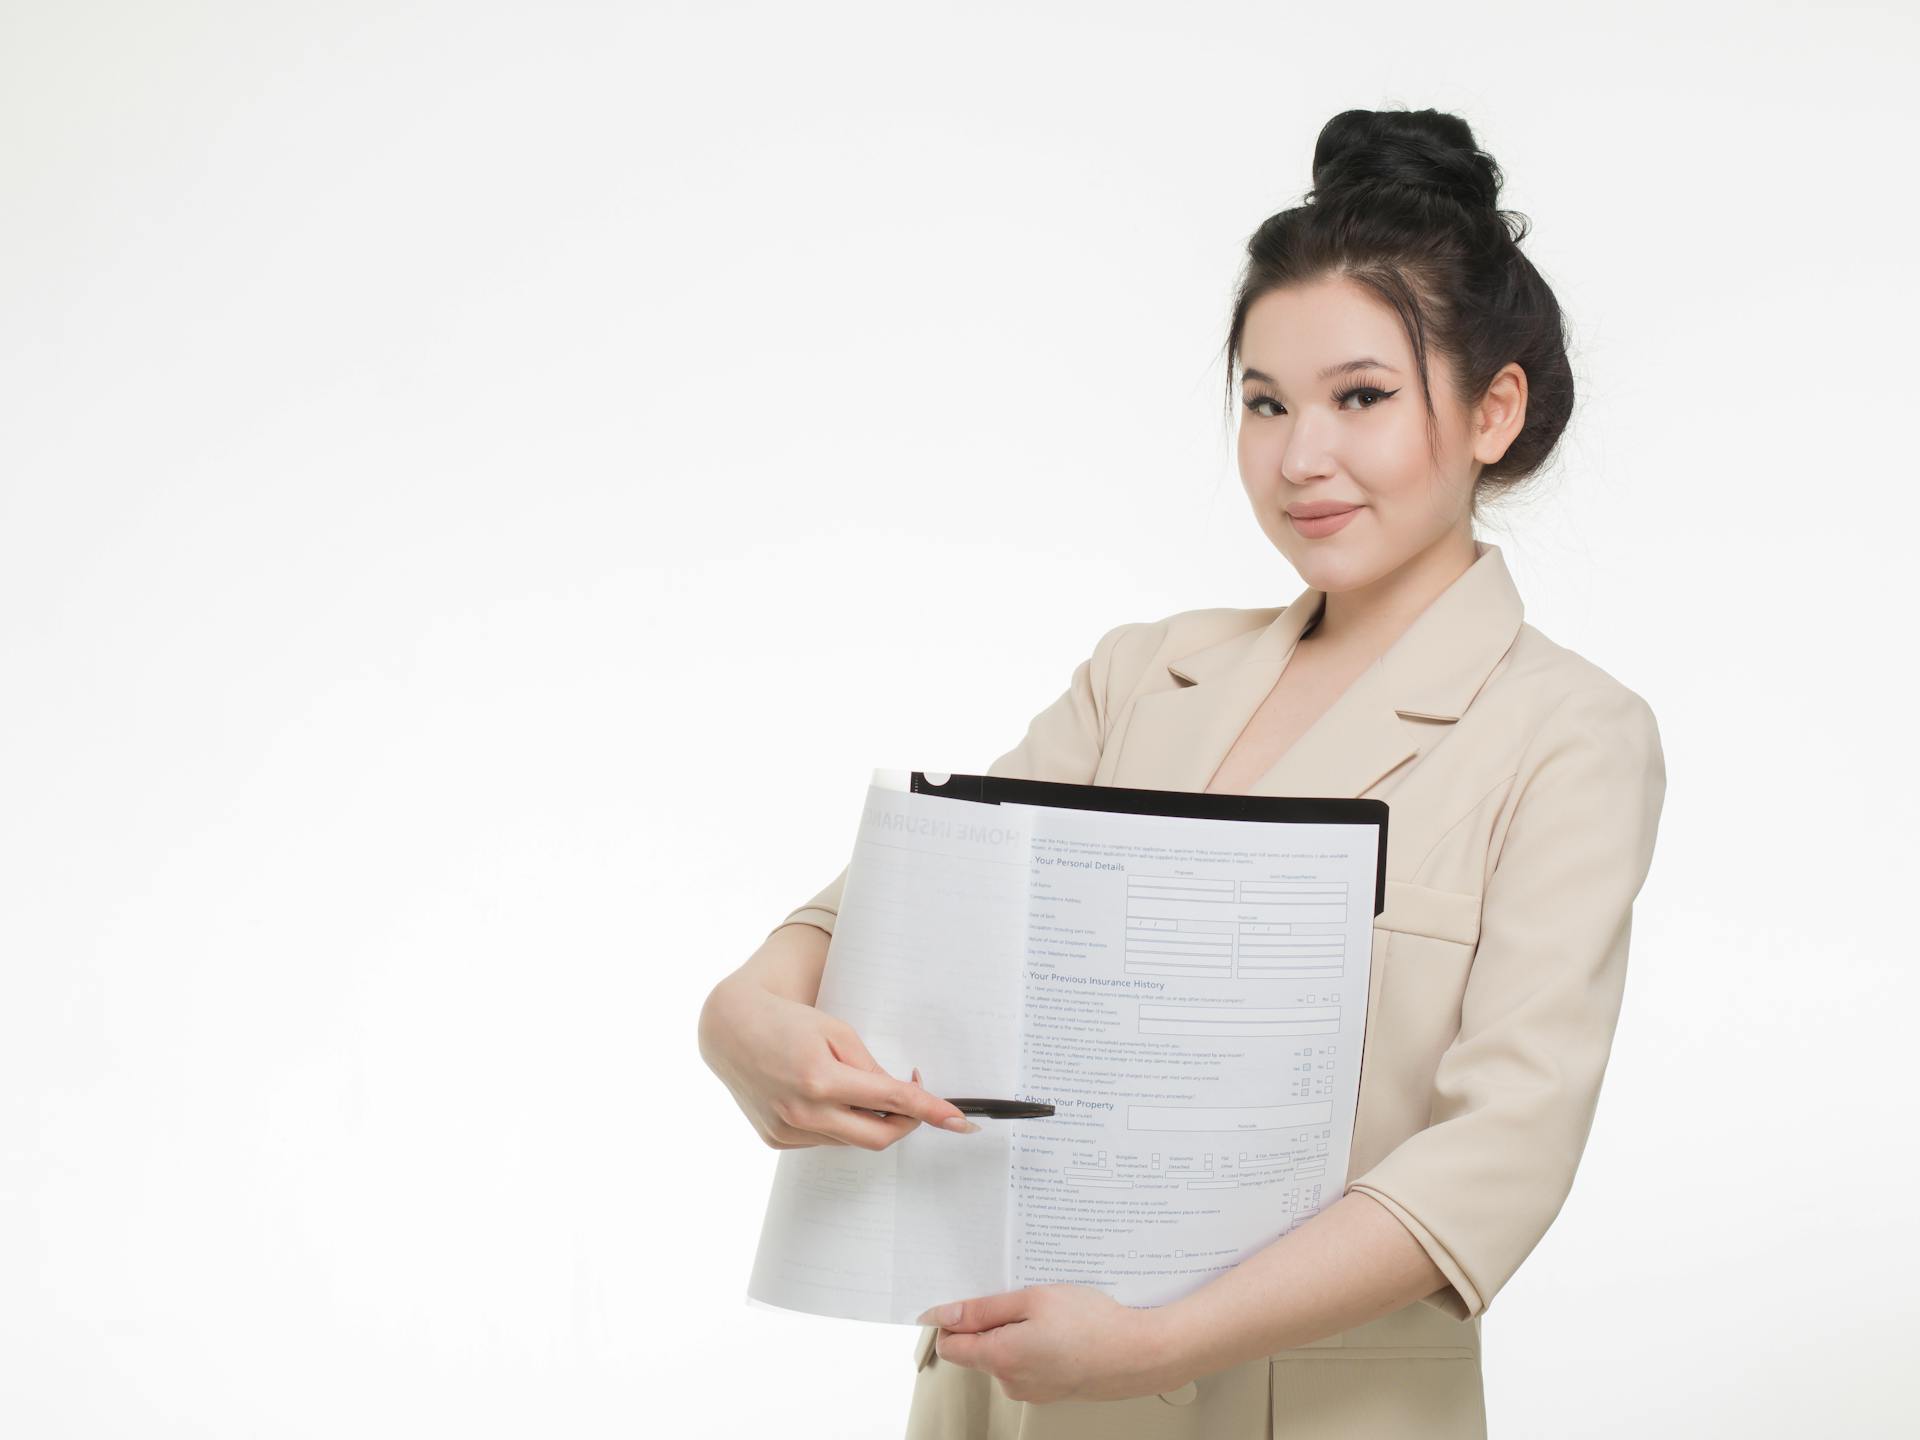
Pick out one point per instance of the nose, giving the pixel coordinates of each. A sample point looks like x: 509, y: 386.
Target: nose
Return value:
x: 1305, y: 459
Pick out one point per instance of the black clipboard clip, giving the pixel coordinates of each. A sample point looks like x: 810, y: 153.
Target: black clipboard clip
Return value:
x: 1193, y: 804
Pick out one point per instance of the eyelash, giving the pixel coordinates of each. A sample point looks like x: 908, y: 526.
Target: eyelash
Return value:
x: 1340, y: 397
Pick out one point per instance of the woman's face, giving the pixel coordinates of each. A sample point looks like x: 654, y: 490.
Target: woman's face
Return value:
x: 1357, y: 437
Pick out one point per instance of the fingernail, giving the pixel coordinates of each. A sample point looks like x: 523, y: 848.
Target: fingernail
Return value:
x: 960, y: 1125
x: 950, y: 1314
x: 916, y: 1074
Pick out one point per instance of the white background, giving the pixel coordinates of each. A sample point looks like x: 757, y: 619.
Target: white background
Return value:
x: 481, y: 485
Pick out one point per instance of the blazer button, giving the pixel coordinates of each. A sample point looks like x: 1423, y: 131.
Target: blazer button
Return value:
x: 1183, y: 1396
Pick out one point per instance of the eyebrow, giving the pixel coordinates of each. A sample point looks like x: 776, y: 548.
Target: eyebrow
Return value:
x: 1327, y: 374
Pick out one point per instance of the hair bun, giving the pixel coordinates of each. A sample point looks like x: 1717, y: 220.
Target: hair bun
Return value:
x: 1417, y: 149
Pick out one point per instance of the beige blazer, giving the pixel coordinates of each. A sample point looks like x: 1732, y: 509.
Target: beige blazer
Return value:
x: 1525, y: 786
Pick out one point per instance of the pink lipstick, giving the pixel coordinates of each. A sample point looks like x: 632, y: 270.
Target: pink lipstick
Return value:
x: 1318, y: 526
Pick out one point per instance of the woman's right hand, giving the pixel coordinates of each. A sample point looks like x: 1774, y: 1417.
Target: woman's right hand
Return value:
x: 803, y: 1077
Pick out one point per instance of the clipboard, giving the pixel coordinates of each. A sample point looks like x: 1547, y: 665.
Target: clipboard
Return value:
x: 1192, y: 804
x: 817, y: 1252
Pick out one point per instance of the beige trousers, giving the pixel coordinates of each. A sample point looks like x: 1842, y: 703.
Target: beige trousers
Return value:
x: 1308, y: 1394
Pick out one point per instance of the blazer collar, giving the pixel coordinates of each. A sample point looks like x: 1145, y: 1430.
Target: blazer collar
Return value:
x: 1394, y: 710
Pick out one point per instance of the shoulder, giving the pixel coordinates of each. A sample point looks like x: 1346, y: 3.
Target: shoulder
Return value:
x: 1563, y: 683
x: 1565, y: 715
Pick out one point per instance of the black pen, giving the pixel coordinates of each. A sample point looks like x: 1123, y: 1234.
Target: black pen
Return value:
x: 1001, y: 1109
x: 991, y: 1109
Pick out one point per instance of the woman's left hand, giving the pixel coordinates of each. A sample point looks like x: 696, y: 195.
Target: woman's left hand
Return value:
x: 1059, y: 1342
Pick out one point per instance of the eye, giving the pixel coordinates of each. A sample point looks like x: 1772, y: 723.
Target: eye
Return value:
x: 1340, y: 397
x: 1372, y: 394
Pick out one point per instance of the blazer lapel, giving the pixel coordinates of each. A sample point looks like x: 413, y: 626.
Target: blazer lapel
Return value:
x: 1177, y: 738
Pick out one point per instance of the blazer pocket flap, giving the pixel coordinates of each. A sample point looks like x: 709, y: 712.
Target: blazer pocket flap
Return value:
x: 1443, y: 914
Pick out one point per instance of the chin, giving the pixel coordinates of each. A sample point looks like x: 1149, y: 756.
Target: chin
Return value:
x: 1327, y: 571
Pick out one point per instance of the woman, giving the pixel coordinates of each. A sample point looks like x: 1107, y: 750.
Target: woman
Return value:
x: 1399, y: 360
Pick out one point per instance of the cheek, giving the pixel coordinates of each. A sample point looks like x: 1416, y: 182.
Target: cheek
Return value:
x: 1397, y: 452
x: 1396, y: 470
x: 1261, y: 487
x: 1414, y: 509
x: 1259, y: 453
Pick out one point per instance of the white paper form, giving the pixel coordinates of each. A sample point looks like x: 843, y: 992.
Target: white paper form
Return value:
x: 928, y: 948
x: 1194, y: 1005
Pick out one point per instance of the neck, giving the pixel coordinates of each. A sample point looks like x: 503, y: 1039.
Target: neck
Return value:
x: 1371, y: 617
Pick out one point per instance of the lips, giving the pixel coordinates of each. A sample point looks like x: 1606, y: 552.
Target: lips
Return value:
x: 1319, y: 510
x: 1319, y: 525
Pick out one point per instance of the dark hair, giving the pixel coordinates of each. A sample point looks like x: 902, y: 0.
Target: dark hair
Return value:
x: 1404, y: 203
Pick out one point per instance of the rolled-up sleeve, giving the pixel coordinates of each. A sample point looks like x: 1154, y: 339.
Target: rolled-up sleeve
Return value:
x: 822, y: 909
x: 1514, y: 1094
x: 1063, y: 743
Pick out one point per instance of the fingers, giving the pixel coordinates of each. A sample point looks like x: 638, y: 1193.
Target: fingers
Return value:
x: 870, y: 1131
x: 983, y: 1312
x: 826, y: 1123
x: 877, y: 1090
x: 858, y: 1083
x: 829, y: 1123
